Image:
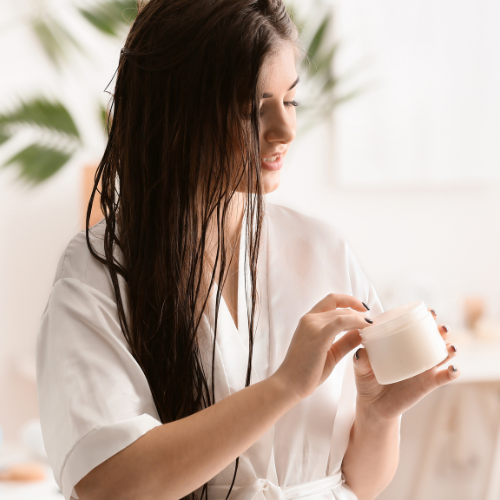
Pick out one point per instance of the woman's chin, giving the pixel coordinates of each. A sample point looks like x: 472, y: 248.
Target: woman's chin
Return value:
x: 271, y: 181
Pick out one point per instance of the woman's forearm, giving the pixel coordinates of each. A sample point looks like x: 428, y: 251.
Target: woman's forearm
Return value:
x: 372, y: 457
x: 176, y: 458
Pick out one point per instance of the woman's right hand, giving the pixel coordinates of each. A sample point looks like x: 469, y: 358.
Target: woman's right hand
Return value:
x: 313, y: 354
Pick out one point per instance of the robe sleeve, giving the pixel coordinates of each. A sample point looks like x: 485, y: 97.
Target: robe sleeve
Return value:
x: 93, y: 397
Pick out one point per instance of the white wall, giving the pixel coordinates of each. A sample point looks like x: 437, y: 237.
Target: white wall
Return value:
x: 430, y: 106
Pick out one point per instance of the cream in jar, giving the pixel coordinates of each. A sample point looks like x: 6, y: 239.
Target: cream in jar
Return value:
x: 403, y: 342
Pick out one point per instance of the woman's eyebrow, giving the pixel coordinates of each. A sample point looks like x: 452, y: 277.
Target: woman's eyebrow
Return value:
x: 266, y: 94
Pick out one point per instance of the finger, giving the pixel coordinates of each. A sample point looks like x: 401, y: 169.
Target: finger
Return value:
x: 345, y: 345
x: 328, y: 316
x: 334, y: 300
x: 444, y: 330
x: 362, y: 367
x: 446, y: 376
x: 434, y: 315
x: 452, y: 352
x: 348, y: 320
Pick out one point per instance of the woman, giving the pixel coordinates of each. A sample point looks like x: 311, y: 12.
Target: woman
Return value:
x: 193, y: 342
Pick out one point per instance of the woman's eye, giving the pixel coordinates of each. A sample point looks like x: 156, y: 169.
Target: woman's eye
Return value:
x: 286, y: 104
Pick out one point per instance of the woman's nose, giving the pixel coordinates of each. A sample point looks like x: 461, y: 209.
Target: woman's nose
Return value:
x: 280, y: 128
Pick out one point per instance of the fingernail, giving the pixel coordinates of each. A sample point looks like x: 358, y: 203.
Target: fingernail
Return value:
x: 368, y: 320
x: 367, y: 308
x: 446, y: 328
x: 453, y: 368
x: 454, y: 347
x: 356, y: 354
x: 433, y: 312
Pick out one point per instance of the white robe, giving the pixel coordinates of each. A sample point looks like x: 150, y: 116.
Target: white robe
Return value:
x: 94, y: 399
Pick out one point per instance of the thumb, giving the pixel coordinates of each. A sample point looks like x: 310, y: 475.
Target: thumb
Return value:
x: 366, y: 383
x: 362, y: 367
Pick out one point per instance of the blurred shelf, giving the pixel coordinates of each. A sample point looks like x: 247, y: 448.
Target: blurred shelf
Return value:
x: 478, y: 358
x: 24, y: 490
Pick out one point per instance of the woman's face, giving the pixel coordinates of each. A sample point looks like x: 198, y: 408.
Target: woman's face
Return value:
x: 278, y: 120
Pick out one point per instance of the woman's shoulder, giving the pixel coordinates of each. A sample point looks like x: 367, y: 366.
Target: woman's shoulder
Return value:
x: 317, y: 249
x: 77, y: 263
x: 301, y: 225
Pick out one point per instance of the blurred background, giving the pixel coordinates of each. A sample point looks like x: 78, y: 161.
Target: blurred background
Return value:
x: 398, y: 147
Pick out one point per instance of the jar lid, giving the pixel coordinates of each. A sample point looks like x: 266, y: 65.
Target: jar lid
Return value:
x: 393, y: 320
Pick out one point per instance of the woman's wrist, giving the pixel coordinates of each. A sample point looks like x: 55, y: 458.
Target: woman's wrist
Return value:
x: 368, y: 416
x: 283, y: 389
x: 372, y: 457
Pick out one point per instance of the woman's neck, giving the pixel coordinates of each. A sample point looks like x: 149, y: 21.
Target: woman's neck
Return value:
x: 235, y: 218
x: 232, y: 233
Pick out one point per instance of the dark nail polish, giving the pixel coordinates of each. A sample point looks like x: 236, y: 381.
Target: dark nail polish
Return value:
x: 454, y: 347
x: 367, y: 308
x: 356, y: 354
x: 453, y: 368
x: 433, y: 312
x: 446, y: 328
x: 368, y: 320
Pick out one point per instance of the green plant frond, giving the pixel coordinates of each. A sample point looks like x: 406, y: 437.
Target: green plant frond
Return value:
x: 4, y: 136
x: 51, y: 45
x: 319, y: 37
x: 349, y: 96
x: 321, y: 81
x: 63, y: 35
x: 54, y: 38
x: 329, y: 84
x: 37, y: 163
x: 103, y: 115
x: 105, y: 118
x: 109, y: 16
x: 42, y: 113
x: 323, y: 64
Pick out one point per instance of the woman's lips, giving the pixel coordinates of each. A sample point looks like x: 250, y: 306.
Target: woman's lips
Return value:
x: 273, y: 165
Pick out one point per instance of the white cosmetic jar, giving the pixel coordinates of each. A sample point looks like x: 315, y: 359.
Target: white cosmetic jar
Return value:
x: 403, y: 342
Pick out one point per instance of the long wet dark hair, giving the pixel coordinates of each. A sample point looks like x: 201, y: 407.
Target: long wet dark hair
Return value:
x: 184, y: 135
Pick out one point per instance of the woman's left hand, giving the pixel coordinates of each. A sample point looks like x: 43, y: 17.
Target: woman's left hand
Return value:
x: 390, y: 401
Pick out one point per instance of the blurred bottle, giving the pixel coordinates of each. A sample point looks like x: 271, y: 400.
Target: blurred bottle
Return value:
x: 474, y: 309
x: 477, y: 319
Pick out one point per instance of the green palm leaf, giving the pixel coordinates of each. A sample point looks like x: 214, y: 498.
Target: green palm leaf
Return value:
x: 37, y: 162
x: 54, y: 38
x: 110, y: 16
x: 321, y: 78
x: 319, y: 36
x: 4, y: 137
x: 42, y: 113
x: 350, y: 95
x: 329, y: 84
x: 323, y: 64
x: 105, y: 120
